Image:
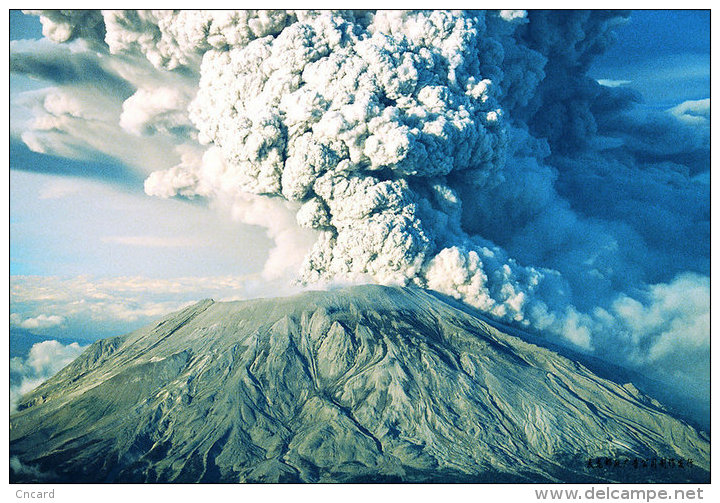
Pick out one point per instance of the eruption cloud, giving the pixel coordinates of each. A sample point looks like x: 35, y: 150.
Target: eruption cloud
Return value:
x: 465, y: 152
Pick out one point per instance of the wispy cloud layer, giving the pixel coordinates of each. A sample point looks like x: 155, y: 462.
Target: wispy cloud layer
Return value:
x: 96, y: 307
x: 39, y: 322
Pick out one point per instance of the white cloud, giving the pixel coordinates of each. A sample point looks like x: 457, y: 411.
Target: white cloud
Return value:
x: 674, y: 321
x: 613, y: 83
x: 210, y: 175
x: 116, y: 303
x: 44, y: 360
x: 693, y: 112
x: 64, y: 235
x: 39, y: 322
x: 161, y: 109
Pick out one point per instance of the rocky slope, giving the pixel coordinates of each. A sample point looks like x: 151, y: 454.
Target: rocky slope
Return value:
x: 364, y: 384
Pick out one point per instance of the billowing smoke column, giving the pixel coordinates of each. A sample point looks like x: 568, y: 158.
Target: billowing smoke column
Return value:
x: 363, y: 120
x: 444, y: 149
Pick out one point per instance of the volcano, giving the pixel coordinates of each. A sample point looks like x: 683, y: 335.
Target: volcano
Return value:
x: 361, y: 384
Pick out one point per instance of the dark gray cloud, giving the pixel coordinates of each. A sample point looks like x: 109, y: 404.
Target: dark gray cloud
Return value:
x: 59, y: 65
x: 68, y: 25
x: 102, y: 168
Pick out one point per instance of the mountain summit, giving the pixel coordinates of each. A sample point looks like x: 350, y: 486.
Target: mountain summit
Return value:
x: 362, y: 384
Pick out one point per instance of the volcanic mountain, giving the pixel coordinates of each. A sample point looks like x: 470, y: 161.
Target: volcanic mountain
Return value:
x: 362, y: 384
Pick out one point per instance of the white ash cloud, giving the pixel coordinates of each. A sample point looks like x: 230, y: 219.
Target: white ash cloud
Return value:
x: 152, y: 110
x: 175, y: 39
x: 343, y: 117
x: 118, y: 106
x: 67, y: 25
x: 467, y: 152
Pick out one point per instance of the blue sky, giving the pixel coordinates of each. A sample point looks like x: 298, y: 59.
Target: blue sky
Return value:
x: 24, y: 26
x: 127, y: 234
x: 663, y: 54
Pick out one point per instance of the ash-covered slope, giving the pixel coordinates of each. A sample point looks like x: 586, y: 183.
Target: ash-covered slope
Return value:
x: 366, y: 383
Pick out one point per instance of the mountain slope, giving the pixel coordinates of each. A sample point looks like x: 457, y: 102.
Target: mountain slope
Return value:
x: 367, y: 383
